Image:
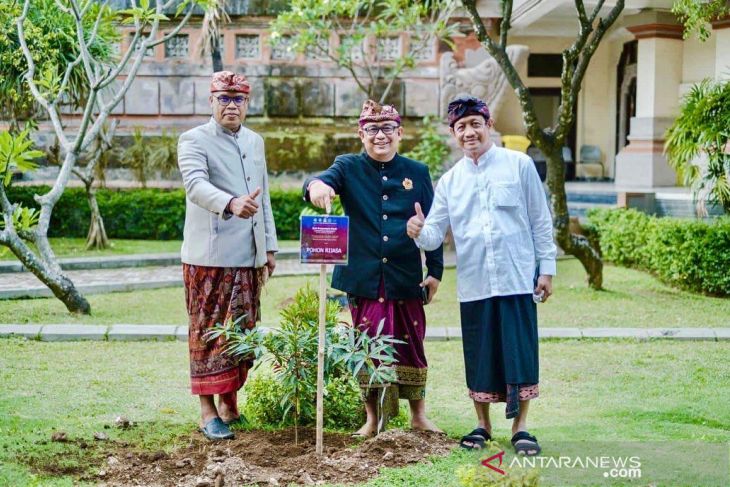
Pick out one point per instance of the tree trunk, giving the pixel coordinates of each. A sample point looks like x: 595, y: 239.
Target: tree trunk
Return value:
x: 57, y: 282
x: 215, y: 54
x: 96, y: 238
x: 576, y: 245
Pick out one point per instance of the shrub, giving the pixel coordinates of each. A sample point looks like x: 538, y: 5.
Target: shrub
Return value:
x: 144, y: 214
x: 292, y: 352
x: 343, y: 408
x: 690, y: 254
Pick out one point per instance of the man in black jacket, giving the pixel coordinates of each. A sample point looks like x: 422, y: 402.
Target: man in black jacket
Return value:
x: 380, y: 190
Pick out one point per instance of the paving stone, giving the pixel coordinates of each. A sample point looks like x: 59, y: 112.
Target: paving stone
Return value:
x: 722, y: 333
x: 28, y: 331
x: 142, y: 332
x: 436, y: 334
x: 639, y: 333
x: 453, y: 332
x: 695, y: 334
x: 181, y: 333
x: 662, y: 332
x: 55, y: 333
x: 559, y: 333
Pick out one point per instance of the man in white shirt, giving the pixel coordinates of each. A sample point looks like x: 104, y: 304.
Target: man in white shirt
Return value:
x: 496, y: 207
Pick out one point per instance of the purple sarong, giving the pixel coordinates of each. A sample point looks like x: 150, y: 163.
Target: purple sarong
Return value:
x: 405, y: 320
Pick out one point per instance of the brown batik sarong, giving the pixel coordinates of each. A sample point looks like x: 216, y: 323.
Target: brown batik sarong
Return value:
x: 215, y: 295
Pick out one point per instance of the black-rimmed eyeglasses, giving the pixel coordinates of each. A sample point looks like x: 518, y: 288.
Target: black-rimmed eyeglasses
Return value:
x: 225, y: 100
x: 386, y: 129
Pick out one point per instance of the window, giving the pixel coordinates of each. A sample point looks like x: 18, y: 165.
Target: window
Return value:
x: 545, y: 65
x: 283, y: 49
x: 177, y: 46
x: 388, y: 48
x: 248, y: 46
x: 425, y: 50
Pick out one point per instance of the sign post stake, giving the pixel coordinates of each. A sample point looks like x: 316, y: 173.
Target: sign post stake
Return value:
x: 323, y: 240
x: 320, y: 355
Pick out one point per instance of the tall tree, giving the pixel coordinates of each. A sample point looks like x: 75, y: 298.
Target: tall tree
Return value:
x: 49, y: 90
x: 364, y: 28
x: 592, y: 26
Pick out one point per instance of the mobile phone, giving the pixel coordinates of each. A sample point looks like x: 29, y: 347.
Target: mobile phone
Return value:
x: 424, y: 294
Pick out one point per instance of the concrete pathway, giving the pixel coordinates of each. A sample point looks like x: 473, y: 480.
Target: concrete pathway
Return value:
x: 103, y: 275
x: 52, y: 333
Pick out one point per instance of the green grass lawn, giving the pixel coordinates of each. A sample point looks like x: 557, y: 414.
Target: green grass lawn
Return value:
x: 76, y: 247
x: 608, y: 390
x: 631, y: 299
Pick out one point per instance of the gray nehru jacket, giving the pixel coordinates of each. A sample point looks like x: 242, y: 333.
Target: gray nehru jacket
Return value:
x: 217, y: 165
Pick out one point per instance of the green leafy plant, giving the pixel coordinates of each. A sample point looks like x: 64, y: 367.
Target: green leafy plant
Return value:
x: 52, y: 40
x: 361, y: 26
x: 689, y: 254
x: 479, y: 475
x: 16, y: 153
x: 696, y: 15
x: 432, y: 149
x: 292, y: 353
x: 138, y: 213
x: 703, y: 129
x: 149, y: 155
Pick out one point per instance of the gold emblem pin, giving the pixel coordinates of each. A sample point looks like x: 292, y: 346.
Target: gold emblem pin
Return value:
x: 408, y: 184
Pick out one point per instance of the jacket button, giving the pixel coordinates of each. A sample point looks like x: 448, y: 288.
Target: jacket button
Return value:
x: 254, y: 223
x: 385, y: 238
x: 385, y: 178
x: 385, y: 197
x: 385, y: 217
x: 248, y: 178
x: 385, y: 260
x: 381, y: 300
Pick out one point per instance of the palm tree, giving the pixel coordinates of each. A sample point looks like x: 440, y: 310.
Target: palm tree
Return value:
x: 210, y: 32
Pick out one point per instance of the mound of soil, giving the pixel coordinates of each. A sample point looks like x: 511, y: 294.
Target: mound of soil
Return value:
x: 270, y: 458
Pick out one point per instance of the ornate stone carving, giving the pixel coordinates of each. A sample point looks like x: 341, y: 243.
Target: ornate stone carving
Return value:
x: 283, y: 51
x: 248, y: 46
x: 177, y: 46
x: 389, y: 48
x: 485, y: 80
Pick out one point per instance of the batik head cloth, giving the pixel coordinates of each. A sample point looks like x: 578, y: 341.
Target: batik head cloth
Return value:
x: 375, y: 112
x: 465, y: 106
x: 229, y: 81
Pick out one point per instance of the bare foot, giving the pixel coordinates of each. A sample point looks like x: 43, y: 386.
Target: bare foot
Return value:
x: 424, y: 424
x: 366, y: 431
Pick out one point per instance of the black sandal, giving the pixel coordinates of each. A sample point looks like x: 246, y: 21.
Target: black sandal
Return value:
x: 527, y: 444
x: 477, y: 438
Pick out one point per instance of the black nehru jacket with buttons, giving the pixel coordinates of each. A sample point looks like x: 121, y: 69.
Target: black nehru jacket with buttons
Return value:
x: 379, y: 198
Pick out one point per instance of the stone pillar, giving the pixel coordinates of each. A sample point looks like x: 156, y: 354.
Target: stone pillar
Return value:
x: 721, y: 30
x: 642, y: 163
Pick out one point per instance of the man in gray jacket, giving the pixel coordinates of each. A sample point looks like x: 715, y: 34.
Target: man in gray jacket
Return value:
x: 229, y: 244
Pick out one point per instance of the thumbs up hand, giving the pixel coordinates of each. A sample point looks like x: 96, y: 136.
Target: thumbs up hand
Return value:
x: 415, y: 224
x: 245, y: 206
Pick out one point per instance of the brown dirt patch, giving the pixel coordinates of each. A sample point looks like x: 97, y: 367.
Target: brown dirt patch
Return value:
x: 270, y: 458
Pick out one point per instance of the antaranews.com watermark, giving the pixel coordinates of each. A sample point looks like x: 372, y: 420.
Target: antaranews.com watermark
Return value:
x: 671, y: 463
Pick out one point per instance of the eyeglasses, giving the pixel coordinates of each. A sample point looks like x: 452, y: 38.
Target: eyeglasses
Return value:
x: 226, y: 100
x: 386, y: 129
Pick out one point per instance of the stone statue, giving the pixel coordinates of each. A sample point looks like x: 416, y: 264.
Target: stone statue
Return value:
x: 485, y: 80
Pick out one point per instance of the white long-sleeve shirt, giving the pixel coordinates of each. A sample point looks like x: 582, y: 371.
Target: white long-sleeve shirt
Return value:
x: 501, y: 224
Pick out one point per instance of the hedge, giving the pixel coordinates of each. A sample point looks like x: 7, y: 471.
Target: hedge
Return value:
x: 144, y: 214
x: 689, y: 254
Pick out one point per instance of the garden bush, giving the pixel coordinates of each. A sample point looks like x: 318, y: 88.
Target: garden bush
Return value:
x: 143, y: 214
x: 343, y: 408
x: 690, y: 254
